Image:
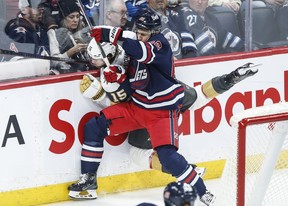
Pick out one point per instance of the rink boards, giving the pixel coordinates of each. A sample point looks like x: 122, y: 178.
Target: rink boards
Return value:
x: 42, y: 122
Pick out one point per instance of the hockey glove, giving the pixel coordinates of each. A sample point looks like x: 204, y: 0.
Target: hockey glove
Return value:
x: 241, y: 73
x: 91, y: 88
x: 106, y: 34
x: 114, y: 74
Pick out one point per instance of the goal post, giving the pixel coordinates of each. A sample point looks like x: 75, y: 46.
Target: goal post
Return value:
x: 256, y: 168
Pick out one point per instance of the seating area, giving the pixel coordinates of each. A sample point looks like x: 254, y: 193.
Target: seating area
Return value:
x: 265, y: 32
x: 227, y: 18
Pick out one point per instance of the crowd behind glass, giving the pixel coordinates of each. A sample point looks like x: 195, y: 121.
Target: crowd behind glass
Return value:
x: 60, y: 28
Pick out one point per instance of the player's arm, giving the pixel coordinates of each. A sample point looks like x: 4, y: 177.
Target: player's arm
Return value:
x: 111, y: 34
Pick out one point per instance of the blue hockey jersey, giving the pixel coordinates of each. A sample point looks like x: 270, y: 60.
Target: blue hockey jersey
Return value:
x: 180, y: 38
x: 210, y: 37
x: 152, y: 90
x: 20, y: 30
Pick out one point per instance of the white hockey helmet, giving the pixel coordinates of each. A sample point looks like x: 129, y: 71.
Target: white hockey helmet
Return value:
x: 95, y: 53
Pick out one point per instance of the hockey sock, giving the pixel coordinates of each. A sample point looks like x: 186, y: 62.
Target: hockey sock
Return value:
x: 90, y: 158
x: 95, y: 131
x: 176, y: 164
x: 191, y: 177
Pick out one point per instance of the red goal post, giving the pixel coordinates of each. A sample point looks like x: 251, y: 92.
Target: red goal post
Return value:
x: 256, y: 168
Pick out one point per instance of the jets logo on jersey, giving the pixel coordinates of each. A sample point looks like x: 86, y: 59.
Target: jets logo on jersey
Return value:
x: 174, y: 41
x: 211, y: 34
x: 139, y: 75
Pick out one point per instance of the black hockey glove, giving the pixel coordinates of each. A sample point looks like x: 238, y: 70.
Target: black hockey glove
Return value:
x: 240, y: 73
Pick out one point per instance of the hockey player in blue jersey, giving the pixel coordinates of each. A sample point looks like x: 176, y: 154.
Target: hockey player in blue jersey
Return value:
x: 155, y: 104
x: 147, y: 100
x: 210, y: 37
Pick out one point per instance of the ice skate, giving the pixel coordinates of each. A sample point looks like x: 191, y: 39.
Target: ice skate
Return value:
x: 84, y: 188
x: 208, y: 198
x: 241, y: 73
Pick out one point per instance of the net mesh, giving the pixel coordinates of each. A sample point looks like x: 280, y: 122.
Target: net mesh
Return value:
x: 266, y: 159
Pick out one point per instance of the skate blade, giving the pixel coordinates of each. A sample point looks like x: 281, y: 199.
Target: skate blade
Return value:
x: 254, y: 67
x: 83, y: 195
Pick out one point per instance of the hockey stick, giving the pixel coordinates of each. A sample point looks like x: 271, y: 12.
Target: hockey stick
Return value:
x: 37, y: 56
x: 105, y: 59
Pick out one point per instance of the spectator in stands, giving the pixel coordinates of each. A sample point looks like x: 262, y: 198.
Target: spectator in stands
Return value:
x: 35, y: 25
x: 210, y: 36
x: 134, y: 8
x: 280, y: 8
x: 275, y: 4
x: 53, y: 8
x: 180, y: 39
x: 91, y: 8
x: 234, y: 5
x: 71, y: 37
x: 116, y: 13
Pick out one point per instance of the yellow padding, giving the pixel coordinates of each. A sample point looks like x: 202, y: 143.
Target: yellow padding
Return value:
x: 209, y: 90
x: 116, y: 183
x: 257, y: 159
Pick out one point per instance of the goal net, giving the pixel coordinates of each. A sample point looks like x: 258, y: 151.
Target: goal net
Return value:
x: 256, y: 168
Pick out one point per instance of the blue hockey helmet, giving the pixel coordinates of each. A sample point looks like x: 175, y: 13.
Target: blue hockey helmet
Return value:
x: 149, y: 20
x: 179, y: 194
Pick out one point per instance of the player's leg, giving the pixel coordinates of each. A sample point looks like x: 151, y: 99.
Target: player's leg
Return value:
x: 178, y: 167
x: 95, y: 131
x: 117, y: 120
x: 148, y: 159
x: 166, y: 145
x: 198, y: 96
